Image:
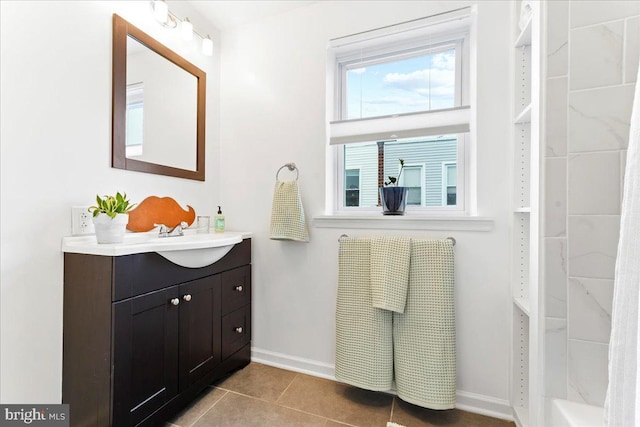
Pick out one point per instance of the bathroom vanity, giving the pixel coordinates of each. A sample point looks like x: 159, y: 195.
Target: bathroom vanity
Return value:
x: 143, y: 336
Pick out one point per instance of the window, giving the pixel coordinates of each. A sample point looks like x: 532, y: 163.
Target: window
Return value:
x: 413, y: 179
x: 449, y: 188
x: 135, y: 119
x: 352, y: 187
x: 402, y: 94
x: 420, y: 80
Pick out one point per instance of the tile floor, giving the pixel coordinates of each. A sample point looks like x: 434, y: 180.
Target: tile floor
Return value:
x: 263, y: 396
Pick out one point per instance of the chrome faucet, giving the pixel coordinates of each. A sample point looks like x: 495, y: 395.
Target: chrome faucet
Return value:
x: 178, y: 230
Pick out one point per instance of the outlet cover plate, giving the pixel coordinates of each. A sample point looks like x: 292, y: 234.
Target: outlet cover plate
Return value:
x: 81, y: 221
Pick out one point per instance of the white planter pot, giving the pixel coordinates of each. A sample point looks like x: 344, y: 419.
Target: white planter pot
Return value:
x: 110, y: 230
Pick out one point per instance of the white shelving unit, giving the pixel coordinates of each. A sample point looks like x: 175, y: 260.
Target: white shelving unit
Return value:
x: 526, y: 376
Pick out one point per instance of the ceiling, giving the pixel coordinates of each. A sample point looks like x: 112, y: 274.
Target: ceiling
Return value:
x: 226, y: 14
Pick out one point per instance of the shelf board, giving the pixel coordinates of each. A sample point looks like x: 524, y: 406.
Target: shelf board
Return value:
x: 521, y: 416
x: 524, y: 209
x: 524, y: 116
x: 524, y: 39
x: 523, y: 304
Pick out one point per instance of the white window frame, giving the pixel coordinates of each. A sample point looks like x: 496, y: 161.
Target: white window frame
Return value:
x: 345, y: 61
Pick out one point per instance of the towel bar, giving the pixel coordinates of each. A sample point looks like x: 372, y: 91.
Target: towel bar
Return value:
x: 453, y: 240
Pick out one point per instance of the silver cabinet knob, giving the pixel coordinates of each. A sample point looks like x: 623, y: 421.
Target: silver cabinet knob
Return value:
x: 239, y: 330
x: 239, y: 288
x: 187, y: 297
x: 175, y: 301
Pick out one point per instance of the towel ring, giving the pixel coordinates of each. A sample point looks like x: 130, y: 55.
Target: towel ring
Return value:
x: 291, y: 166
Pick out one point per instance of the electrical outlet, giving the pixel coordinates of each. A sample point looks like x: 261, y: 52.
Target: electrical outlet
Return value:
x: 81, y: 222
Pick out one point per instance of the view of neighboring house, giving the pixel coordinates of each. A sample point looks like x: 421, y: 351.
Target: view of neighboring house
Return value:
x: 429, y: 171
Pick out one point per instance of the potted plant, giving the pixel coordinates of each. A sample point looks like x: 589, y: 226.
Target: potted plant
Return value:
x: 392, y: 197
x: 110, y: 217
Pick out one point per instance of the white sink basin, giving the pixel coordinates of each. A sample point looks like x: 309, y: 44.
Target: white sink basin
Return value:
x: 191, y: 250
x: 196, y: 258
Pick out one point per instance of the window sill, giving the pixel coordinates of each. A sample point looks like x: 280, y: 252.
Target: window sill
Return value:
x: 406, y: 222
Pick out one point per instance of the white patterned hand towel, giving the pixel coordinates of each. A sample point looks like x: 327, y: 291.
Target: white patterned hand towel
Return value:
x: 390, y: 272
x: 364, y: 346
x: 287, y: 215
x: 424, y: 337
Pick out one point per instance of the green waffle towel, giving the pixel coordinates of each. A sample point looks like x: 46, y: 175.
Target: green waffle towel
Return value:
x: 424, y: 337
x: 417, y: 347
x: 364, y: 346
x: 287, y: 215
x: 390, y: 272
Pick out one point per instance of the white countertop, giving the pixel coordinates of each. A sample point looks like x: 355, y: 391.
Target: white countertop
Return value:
x: 136, y: 243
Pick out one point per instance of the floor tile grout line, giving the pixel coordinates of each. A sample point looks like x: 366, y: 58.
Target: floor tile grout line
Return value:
x: 393, y: 404
x: 316, y: 415
x: 286, y: 388
x: 288, y: 407
x: 208, y: 409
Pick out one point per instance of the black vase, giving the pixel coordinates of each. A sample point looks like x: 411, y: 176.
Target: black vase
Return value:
x: 393, y: 199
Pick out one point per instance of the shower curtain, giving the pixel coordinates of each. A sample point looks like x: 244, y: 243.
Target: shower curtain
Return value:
x: 622, y: 405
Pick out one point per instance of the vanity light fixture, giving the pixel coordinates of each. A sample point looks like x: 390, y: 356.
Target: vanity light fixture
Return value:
x: 164, y: 16
x: 186, y: 29
x: 160, y: 11
x: 207, y: 46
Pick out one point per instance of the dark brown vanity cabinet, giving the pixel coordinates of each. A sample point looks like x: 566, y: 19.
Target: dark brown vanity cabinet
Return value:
x: 139, y: 352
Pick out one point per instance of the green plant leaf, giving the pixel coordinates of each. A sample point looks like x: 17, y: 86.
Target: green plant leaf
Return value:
x: 111, y: 205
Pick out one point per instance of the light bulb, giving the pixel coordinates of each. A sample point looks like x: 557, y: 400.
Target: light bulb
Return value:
x: 186, y: 28
x: 207, y: 46
x: 160, y: 11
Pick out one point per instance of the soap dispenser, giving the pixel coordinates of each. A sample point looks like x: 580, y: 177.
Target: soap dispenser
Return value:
x: 219, y: 222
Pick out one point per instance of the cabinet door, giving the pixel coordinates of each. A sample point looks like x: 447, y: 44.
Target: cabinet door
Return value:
x: 199, y: 329
x: 145, y: 355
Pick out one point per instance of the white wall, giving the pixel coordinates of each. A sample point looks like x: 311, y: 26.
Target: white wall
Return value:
x: 55, y: 152
x: 274, y: 102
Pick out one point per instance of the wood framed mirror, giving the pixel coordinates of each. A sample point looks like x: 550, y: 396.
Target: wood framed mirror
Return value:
x: 158, y: 110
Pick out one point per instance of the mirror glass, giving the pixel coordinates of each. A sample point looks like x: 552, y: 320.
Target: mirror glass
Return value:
x: 158, y: 107
x: 161, y: 117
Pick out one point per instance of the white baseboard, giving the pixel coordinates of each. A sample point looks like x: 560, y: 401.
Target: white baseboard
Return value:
x: 485, y: 405
x: 472, y: 402
x: 293, y: 363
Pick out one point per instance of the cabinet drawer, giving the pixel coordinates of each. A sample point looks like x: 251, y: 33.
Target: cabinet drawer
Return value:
x: 139, y: 274
x: 236, y: 330
x: 236, y: 288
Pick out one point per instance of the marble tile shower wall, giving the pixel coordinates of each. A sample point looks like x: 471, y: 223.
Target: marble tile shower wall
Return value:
x: 592, y: 61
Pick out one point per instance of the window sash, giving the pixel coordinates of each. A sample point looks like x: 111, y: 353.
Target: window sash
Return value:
x: 462, y: 198
x: 401, y: 126
x: 344, y: 66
